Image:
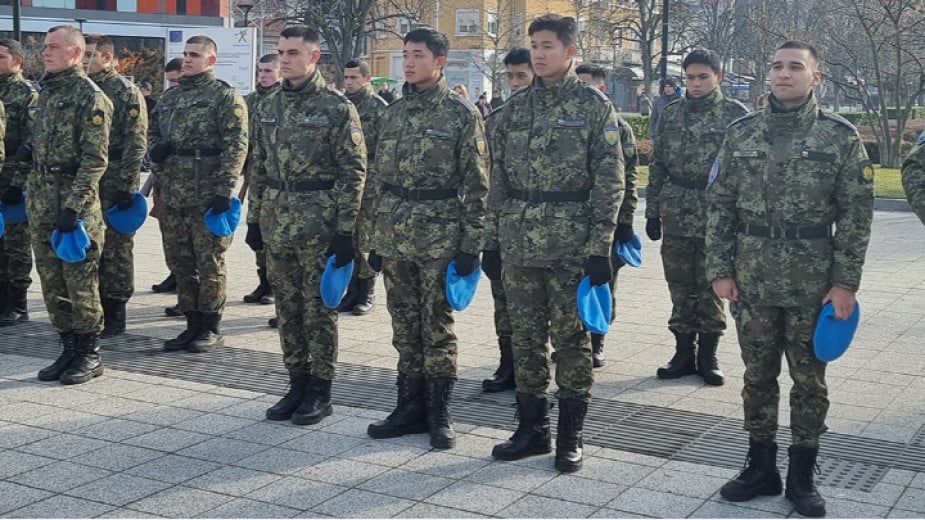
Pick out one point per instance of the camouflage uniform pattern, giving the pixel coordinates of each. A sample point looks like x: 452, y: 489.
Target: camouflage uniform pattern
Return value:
x: 370, y: 107
x: 555, y: 138
x: 429, y: 139
x: 18, y: 97
x: 305, y: 134
x: 688, y: 138
x: 499, y: 299
x: 127, y: 145
x: 630, y: 200
x: 252, y: 100
x: 201, y: 115
x: 913, y: 175
x: 787, y: 169
x: 70, y: 138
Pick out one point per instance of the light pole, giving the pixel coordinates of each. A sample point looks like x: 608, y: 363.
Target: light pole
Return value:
x: 664, y: 64
x: 81, y: 22
x: 247, y: 9
x: 17, y: 20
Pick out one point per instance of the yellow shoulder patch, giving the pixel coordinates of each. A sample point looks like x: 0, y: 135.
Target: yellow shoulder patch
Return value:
x: 356, y: 135
x: 611, y: 135
x: 133, y: 112
x: 480, y: 145
x: 239, y: 112
x: 98, y: 118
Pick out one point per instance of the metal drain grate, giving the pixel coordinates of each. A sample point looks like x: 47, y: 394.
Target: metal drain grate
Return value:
x: 846, y: 461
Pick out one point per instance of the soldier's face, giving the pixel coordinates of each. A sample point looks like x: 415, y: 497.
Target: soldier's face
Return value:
x: 422, y: 68
x: 551, y: 57
x: 794, y: 73
x: 701, y: 79
x: 94, y: 61
x: 59, y: 53
x: 354, y: 80
x: 297, y: 59
x: 8, y: 63
x: 172, y: 77
x: 519, y: 76
x: 197, y: 58
x: 267, y: 73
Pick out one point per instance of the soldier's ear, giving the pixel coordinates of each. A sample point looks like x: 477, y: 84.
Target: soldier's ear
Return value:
x: 212, y: 59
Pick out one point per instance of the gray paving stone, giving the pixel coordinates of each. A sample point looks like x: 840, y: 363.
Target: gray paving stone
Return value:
x: 462, y: 495
x: 655, y: 503
x: 116, y: 430
x: 728, y: 510
x: 62, y: 506
x: 357, y: 503
x: 252, y: 409
x: 121, y: 512
x: 206, y: 402
x: 13, y: 435
x: 296, y: 493
x: 444, y: 465
x: 60, y: 476
x: 321, y: 443
x: 14, y: 496
x: 119, y: 489
x: 223, y: 451
x: 352, y: 426
x: 613, y: 513
x: 628, y: 456
x: 882, y: 494
x: 383, y: 453
x: 776, y: 505
x: 267, y: 432
x: 167, y: 439
x: 681, y: 483
x: 913, y: 499
x: 163, y: 415
x: 532, y: 506
x: 615, y: 472
x: 64, y: 446
x: 173, y: 469
x: 179, y: 502
x: 582, y: 490
x: 701, y: 469
x: 405, y: 484
x: 344, y: 472
x: 900, y: 477
x: 232, y: 481
x: 840, y: 508
x: 14, y: 463
x: 918, y: 481
x: 422, y: 510
x: 64, y: 421
x: 280, y: 461
x: 246, y: 508
x: 118, y: 457
x: 213, y: 424
x: 902, y: 513
x: 510, y: 476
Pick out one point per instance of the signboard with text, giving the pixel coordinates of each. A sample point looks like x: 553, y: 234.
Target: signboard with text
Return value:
x: 237, y: 52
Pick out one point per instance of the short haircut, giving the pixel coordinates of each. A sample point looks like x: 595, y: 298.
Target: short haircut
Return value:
x: 174, y: 65
x: 269, y: 58
x: 103, y: 43
x: 13, y: 47
x: 205, y: 41
x: 596, y: 71
x: 565, y: 27
x: 435, y: 40
x: 703, y: 57
x: 74, y: 36
x: 518, y: 56
x: 306, y: 33
x: 359, y: 64
x: 803, y: 46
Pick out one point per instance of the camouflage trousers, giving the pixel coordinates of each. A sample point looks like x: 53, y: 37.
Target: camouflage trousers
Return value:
x: 502, y: 318
x: 16, y: 256
x: 422, y: 320
x: 261, y: 257
x: 117, y: 266
x: 197, y: 258
x: 694, y: 306
x: 307, y: 329
x: 765, y: 333
x: 71, y: 291
x: 542, y: 303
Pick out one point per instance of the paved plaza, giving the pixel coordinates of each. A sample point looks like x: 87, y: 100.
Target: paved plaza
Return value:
x: 183, y: 435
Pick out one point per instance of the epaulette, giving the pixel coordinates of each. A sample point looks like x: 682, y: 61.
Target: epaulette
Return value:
x: 673, y: 101
x: 378, y: 98
x: 737, y: 103
x: 745, y: 117
x: 597, y: 91
x: 466, y: 103
x: 225, y: 83
x: 495, y: 111
x: 838, y: 119
x: 93, y: 85
x: 340, y: 95
x: 127, y: 83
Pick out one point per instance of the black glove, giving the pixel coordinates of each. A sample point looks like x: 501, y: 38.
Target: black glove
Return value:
x: 254, y: 238
x: 466, y: 264
x: 23, y: 154
x: 342, y: 249
x: 491, y: 264
x: 160, y: 152
x: 67, y: 220
x: 654, y: 228
x: 123, y: 200
x: 220, y: 204
x: 374, y: 261
x: 624, y: 233
x: 13, y: 196
x: 599, y: 269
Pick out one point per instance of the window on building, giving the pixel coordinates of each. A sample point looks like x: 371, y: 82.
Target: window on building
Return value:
x: 405, y: 23
x: 492, y: 27
x: 517, y: 26
x: 467, y: 22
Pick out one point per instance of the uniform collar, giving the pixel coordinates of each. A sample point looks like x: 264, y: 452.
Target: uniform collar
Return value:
x: 414, y: 97
x: 313, y: 84
x: 55, y: 79
x: 364, y: 93
x: 549, y: 92
x: 187, y: 82
x: 705, y: 103
x: 15, y: 77
x: 802, y: 116
x: 263, y: 91
x: 103, y: 75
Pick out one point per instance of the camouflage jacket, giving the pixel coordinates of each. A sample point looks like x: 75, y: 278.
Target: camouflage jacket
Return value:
x: 630, y: 160
x: 562, y: 137
x: 306, y: 134
x: 789, y: 170
x: 913, y: 174
x: 690, y: 132
x: 430, y: 140
x: 18, y: 98
x: 371, y: 108
x: 128, y: 137
x: 205, y: 121
x: 252, y: 100
x: 70, y: 140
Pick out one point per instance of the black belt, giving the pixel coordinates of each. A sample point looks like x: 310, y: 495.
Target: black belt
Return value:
x: 277, y: 184
x: 193, y: 152
x: 550, y: 196
x: 684, y: 183
x: 441, y: 194
x: 788, y: 232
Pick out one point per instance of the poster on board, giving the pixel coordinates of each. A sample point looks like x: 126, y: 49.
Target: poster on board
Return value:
x: 237, y: 52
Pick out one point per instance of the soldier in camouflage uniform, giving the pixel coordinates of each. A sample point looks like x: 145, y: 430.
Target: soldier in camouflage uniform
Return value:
x: 18, y: 97
x: 127, y: 146
x: 198, y: 136
x: 361, y: 292
x: 431, y: 174
x: 556, y: 187
x: 268, y: 79
x: 308, y: 171
x: 783, y: 177
x: 913, y: 175
x: 70, y: 138
x: 689, y: 135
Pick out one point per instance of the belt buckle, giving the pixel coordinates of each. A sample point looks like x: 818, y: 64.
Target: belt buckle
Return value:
x: 773, y: 232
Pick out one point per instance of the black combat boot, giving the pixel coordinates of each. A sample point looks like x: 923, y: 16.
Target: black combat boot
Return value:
x: 682, y: 364
x: 209, y: 337
x: 4, y: 297
x: 366, y: 296
x: 69, y: 351
x: 707, y: 365
x: 410, y: 416
x: 349, y: 301
x: 113, y: 317
x: 316, y: 405
x: 760, y: 476
x: 597, y: 350
x: 503, y: 379
x: 16, y: 309
x: 193, y: 324
x: 168, y: 285
x: 263, y: 293
x: 800, y: 487
x: 86, y: 364
x: 439, y: 418
x: 569, y: 444
x: 273, y: 323
x: 283, y: 409
x: 532, y: 436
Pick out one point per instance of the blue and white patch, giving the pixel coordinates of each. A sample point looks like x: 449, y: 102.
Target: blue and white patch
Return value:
x: 714, y: 173
x: 921, y: 139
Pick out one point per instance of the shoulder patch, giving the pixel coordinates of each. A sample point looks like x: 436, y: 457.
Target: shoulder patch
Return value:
x: 744, y: 118
x: 838, y: 119
x: 596, y: 91
x: 127, y: 83
x: 93, y: 85
x: 134, y: 110
x: 98, y: 117
x: 466, y: 103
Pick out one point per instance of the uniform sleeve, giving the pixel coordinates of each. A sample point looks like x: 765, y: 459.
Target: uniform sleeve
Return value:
x: 350, y: 158
x: 630, y: 159
x: 253, y: 121
x: 605, y: 161
x: 29, y: 100
x: 658, y: 173
x: 2, y: 135
x: 498, y: 187
x: 720, y: 238
x: 134, y: 139
x: 854, y: 204
x: 95, y: 118
x: 913, y: 175
x: 256, y: 169
x: 233, y: 124
x: 473, y: 164
x: 366, y: 218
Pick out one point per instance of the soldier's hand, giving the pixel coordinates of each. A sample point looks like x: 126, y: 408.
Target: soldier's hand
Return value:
x: 466, y: 264
x: 343, y: 250
x: 374, y: 261
x: 843, y: 301
x: 491, y: 264
x: 123, y: 200
x: 67, y: 220
x: 160, y: 152
x: 23, y: 154
x: 254, y: 238
x: 624, y: 233
x: 220, y: 204
x: 599, y: 269
x: 726, y: 289
x: 12, y: 196
x: 654, y: 228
